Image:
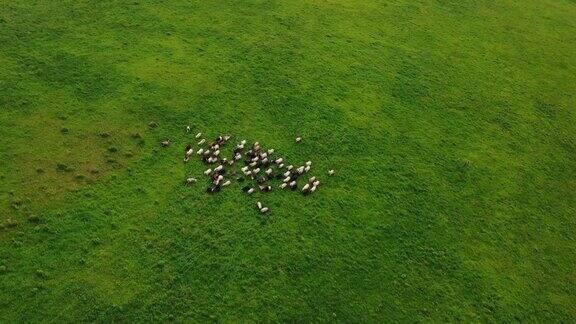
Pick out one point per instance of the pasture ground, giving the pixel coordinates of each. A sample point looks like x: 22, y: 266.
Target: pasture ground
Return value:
x: 451, y: 125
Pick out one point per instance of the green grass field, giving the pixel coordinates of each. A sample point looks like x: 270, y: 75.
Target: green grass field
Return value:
x: 451, y: 125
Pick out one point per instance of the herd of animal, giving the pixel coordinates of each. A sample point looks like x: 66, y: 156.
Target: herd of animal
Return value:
x: 251, y: 165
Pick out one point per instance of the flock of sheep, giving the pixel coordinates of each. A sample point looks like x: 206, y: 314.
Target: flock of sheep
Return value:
x: 252, y: 165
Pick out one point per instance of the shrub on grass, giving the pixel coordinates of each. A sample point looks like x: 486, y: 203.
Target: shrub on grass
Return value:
x: 34, y: 219
x: 41, y: 274
x: 64, y: 168
x: 10, y: 223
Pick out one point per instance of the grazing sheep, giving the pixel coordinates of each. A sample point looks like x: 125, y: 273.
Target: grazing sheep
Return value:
x: 316, y: 183
x: 279, y: 161
x: 283, y: 186
x: 202, y: 141
x: 198, y: 135
x: 307, y: 168
x: 190, y: 181
x: 298, y: 139
x: 188, y: 129
x: 287, y: 179
x: 266, y: 188
x: 243, y: 142
x: 270, y: 151
x: 250, y: 191
x: 331, y: 172
x: 227, y: 183
x: 281, y: 165
x: 312, y: 179
x: 255, y: 171
x: 269, y: 171
x: 293, y: 185
x: 200, y: 151
x: 287, y: 173
x: 306, y: 187
x: 300, y: 170
x: 259, y: 205
x: 290, y: 167
x: 218, y: 168
x: 264, y: 210
x: 207, y: 172
x: 244, y: 169
x: 309, y: 163
x: 165, y: 143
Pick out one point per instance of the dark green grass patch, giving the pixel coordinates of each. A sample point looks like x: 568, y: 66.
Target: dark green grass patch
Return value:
x: 450, y: 125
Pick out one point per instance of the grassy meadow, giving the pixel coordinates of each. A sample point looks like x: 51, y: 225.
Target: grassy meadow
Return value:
x: 451, y: 126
